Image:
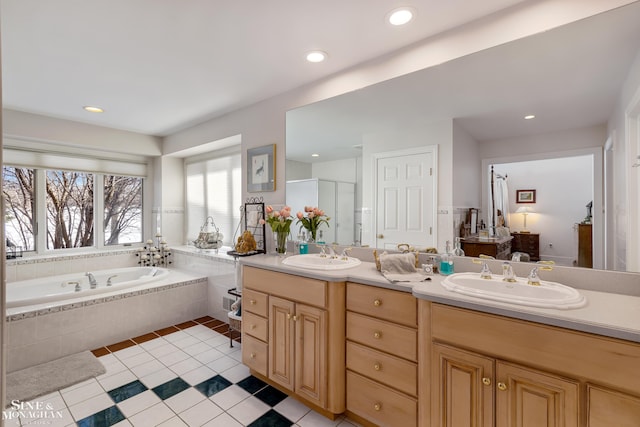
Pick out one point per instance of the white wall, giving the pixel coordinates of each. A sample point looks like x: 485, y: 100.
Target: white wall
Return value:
x: 624, y: 198
x: 563, y: 188
x: 467, y: 189
x: 297, y: 170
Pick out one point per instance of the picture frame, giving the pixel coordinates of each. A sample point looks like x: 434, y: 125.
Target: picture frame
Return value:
x: 525, y: 196
x: 261, y: 168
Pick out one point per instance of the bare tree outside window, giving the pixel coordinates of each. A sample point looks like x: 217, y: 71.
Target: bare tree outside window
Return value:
x: 18, y: 188
x: 122, y: 209
x: 69, y: 209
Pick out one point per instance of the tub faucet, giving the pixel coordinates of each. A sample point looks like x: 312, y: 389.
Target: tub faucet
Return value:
x: 92, y: 280
x: 109, y: 283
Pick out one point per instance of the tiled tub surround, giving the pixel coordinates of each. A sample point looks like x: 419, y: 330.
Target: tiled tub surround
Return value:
x: 217, y: 266
x: 54, y: 265
x: 44, y: 332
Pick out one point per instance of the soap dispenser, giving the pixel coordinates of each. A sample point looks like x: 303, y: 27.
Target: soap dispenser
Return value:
x: 303, y: 245
x: 457, y: 250
x: 446, y: 261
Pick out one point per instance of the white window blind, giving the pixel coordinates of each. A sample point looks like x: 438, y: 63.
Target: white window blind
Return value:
x: 213, y: 188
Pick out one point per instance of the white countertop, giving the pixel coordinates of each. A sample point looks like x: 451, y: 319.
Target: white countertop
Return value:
x: 608, y: 314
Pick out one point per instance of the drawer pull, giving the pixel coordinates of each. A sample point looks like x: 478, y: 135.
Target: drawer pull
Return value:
x: 377, y: 302
x: 502, y: 386
x: 252, y: 326
x: 486, y: 381
x: 377, y: 334
x: 377, y: 406
x: 252, y: 355
x: 252, y: 302
x: 377, y: 366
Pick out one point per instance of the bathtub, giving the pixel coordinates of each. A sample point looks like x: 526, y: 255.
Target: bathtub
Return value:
x: 70, y: 286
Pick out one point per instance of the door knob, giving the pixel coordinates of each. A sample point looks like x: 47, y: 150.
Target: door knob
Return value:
x: 380, y: 236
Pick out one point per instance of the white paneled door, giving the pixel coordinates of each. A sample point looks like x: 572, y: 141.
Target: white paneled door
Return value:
x: 405, y: 190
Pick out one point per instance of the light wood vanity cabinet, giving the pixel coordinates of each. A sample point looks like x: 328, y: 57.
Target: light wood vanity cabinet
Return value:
x: 382, y: 356
x: 489, y: 370
x: 293, y: 335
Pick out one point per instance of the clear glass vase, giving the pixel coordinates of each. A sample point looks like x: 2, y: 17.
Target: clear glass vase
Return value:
x: 280, y: 241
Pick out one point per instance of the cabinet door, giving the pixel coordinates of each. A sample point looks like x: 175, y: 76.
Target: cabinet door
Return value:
x: 612, y: 408
x: 530, y: 398
x: 310, y: 354
x: 281, y: 349
x: 462, y: 388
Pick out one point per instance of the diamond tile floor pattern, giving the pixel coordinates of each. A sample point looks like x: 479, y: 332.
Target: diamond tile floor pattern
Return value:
x: 186, y: 375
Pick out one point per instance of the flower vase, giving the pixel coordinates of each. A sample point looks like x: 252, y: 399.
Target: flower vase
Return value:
x: 280, y: 240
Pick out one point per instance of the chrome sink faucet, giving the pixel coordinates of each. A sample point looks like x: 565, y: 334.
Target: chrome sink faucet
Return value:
x: 92, y: 280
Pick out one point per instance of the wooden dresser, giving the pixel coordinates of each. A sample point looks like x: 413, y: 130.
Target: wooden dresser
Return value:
x: 585, y: 246
x: 528, y: 243
x: 498, y: 247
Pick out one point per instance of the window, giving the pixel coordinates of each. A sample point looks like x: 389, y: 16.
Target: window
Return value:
x: 69, y: 202
x: 19, y: 192
x: 213, y: 188
x: 70, y: 211
x: 122, y: 209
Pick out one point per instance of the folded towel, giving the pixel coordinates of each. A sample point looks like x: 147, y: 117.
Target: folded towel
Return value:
x: 400, y: 268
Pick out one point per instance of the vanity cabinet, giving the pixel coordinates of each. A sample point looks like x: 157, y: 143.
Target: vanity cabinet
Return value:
x: 382, y: 356
x: 293, y: 336
x: 490, y: 370
x: 466, y: 383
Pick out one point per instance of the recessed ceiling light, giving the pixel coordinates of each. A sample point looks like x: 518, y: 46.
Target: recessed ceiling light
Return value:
x: 400, y: 16
x: 92, y: 109
x: 315, y: 155
x: 529, y: 117
x: 316, y: 56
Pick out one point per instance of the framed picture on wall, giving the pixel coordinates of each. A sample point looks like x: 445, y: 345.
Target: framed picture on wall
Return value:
x: 525, y: 196
x: 261, y: 169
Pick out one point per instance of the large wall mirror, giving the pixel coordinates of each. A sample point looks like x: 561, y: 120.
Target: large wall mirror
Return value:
x: 575, y: 79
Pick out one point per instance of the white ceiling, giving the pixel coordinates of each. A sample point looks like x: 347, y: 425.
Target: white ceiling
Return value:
x: 569, y: 77
x: 157, y: 66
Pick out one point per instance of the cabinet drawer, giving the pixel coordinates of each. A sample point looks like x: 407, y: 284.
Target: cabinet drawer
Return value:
x: 389, y: 370
x: 379, y: 404
x: 297, y: 288
x: 395, y: 306
x: 255, y: 302
x: 255, y: 326
x: 388, y: 337
x: 255, y: 354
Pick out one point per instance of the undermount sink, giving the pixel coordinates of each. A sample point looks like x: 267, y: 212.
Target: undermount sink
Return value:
x: 547, y: 295
x: 316, y: 262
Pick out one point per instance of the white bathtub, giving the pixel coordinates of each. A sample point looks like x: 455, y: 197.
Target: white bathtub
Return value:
x: 63, y: 287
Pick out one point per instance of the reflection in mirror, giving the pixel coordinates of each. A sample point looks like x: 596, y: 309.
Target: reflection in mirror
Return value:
x: 578, y: 80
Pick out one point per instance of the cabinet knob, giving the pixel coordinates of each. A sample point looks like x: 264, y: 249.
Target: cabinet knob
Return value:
x: 377, y: 302
x: 252, y: 355
x: 377, y: 334
x: 295, y: 318
x: 252, y: 326
x: 377, y: 366
x: 288, y: 316
x: 486, y: 381
x: 502, y: 386
x: 377, y: 406
x: 252, y: 302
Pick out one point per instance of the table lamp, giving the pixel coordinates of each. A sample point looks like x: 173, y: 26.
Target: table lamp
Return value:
x: 524, y: 210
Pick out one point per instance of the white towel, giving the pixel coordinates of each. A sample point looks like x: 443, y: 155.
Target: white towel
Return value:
x: 400, y: 268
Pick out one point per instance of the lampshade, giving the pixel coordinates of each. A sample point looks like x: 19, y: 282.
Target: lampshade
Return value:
x: 524, y: 210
